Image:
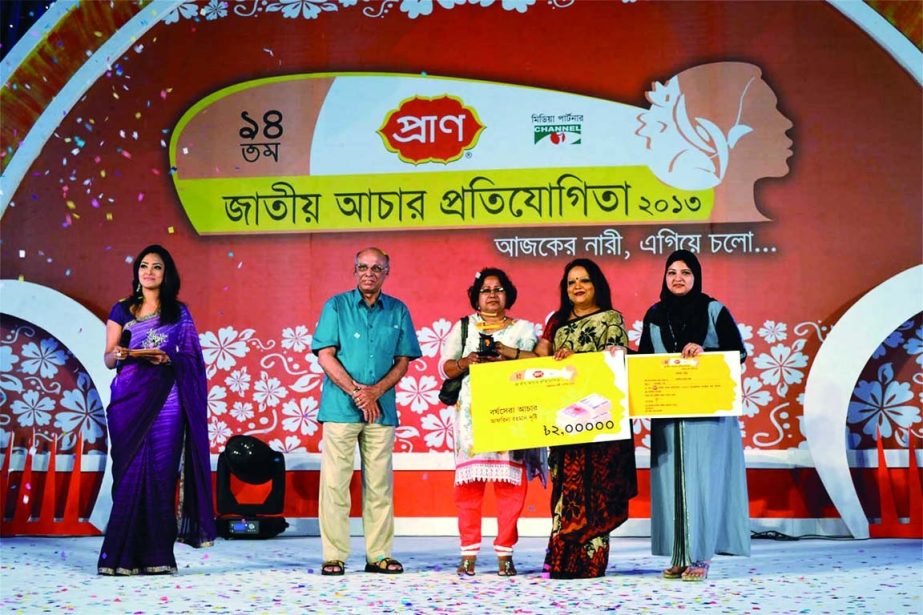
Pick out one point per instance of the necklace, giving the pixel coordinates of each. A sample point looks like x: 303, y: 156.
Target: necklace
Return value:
x: 489, y: 327
x: 673, y: 335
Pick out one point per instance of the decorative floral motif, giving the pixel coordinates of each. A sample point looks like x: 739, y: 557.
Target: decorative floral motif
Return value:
x: 154, y: 339
x: 639, y: 427
x: 222, y: 351
x: 302, y: 416
x: 242, y: 410
x: 215, y: 9
x: 311, y: 9
x: 634, y: 334
x: 746, y: 334
x: 296, y: 339
x: 686, y: 152
x: 216, y: 404
x: 218, y: 432
x: 780, y: 367
x: 83, y: 414
x: 880, y: 406
x: 291, y: 445
x: 754, y: 398
x: 439, y: 430
x: 238, y: 381
x: 44, y: 358
x: 418, y: 396
x: 33, y: 409
x: 268, y: 391
x: 914, y: 345
x: 772, y: 331
x: 431, y: 339
x: 282, y: 402
x: 186, y: 10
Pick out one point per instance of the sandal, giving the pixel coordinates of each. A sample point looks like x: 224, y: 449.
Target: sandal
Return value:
x: 507, y: 568
x: 385, y: 565
x: 698, y: 571
x: 466, y: 566
x: 333, y: 567
x: 674, y: 572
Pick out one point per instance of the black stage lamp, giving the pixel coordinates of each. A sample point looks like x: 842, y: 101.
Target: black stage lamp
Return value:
x: 251, y: 489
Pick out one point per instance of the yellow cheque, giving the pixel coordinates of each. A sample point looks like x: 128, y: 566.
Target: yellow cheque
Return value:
x: 543, y: 402
x: 668, y: 386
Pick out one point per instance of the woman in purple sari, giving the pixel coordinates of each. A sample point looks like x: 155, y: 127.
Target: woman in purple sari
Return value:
x: 157, y: 426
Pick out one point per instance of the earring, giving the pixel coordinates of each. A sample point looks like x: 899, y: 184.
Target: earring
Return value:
x: 138, y: 288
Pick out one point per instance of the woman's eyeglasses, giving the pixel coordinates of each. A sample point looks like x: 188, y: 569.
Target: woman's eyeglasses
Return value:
x: 374, y: 268
x: 498, y: 290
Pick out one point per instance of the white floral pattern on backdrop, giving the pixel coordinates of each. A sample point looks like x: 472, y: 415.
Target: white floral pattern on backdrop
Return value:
x: 271, y: 388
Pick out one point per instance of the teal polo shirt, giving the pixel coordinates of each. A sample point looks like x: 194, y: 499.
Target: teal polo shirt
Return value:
x: 367, y: 340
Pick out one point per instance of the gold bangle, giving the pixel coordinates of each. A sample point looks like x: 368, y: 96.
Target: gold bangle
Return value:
x: 458, y: 366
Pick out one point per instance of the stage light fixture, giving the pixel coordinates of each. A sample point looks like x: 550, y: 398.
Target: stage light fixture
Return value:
x: 251, y: 489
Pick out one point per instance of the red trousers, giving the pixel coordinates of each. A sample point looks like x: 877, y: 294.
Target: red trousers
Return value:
x: 510, y: 501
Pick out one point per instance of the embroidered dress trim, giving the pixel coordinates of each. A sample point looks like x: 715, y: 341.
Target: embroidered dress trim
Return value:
x: 125, y: 572
x: 488, y: 471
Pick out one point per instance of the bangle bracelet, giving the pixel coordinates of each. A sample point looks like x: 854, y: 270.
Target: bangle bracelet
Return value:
x: 458, y: 365
x: 518, y: 350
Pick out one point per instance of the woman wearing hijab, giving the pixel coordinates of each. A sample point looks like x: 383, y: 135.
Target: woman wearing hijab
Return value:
x: 698, y: 477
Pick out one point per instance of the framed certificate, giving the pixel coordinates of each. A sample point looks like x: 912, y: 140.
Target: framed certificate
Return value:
x: 543, y: 402
x: 669, y: 386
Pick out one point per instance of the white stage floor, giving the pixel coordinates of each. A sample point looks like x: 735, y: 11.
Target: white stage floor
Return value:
x: 281, y: 575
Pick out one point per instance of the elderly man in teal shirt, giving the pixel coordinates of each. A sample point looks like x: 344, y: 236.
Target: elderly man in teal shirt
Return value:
x: 364, y: 342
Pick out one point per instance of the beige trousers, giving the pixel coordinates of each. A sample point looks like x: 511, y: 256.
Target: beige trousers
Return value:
x: 376, y: 443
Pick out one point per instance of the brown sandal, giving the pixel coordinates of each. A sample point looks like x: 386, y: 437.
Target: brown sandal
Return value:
x: 466, y: 565
x: 507, y: 568
x: 674, y: 572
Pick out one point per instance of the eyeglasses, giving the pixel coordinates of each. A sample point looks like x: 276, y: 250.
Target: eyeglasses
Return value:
x: 376, y: 269
x: 498, y: 290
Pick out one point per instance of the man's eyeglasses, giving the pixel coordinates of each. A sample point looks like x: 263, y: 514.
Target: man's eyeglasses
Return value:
x: 498, y: 290
x: 363, y: 268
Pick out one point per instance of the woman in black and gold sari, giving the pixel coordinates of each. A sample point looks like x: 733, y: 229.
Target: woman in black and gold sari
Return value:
x: 591, y: 483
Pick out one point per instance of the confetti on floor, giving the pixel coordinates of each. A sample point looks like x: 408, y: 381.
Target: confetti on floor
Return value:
x: 282, y: 575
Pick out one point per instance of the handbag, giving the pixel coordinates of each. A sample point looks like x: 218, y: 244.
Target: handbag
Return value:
x: 451, y: 387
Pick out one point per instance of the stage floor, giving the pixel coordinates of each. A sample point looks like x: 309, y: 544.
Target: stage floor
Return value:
x: 281, y: 575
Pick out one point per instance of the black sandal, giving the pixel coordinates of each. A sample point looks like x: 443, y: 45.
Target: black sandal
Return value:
x: 333, y: 567
x: 507, y: 568
x: 385, y: 565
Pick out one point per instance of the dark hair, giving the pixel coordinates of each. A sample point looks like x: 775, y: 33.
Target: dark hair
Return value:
x: 603, y: 295
x: 169, y: 288
x: 475, y: 289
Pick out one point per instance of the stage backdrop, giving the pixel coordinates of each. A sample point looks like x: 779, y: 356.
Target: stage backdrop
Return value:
x: 264, y: 143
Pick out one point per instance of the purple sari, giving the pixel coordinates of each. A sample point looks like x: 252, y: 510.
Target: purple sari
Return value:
x: 158, y: 436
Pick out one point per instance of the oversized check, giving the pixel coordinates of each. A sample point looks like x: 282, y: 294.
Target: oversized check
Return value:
x: 669, y: 386
x: 543, y: 402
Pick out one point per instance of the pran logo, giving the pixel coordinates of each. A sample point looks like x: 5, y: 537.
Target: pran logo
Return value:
x: 431, y: 129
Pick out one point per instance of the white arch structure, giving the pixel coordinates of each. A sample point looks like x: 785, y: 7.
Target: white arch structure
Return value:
x: 836, y: 367
x: 84, y: 335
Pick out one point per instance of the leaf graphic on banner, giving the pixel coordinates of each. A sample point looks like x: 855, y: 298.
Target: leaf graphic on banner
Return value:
x: 306, y: 383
